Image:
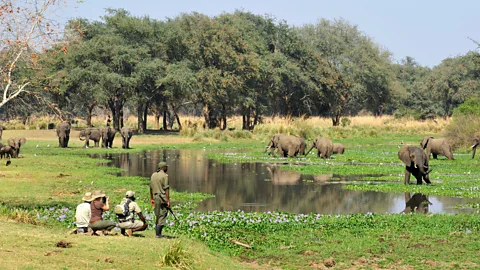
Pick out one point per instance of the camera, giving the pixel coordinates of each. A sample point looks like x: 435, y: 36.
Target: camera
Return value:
x: 104, y: 199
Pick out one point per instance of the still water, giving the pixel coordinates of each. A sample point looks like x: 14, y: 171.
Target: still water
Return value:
x: 261, y: 187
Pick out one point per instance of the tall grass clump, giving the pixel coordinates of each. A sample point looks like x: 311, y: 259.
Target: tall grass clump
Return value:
x: 176, y: 256
x: 465, y: 123
x: 20, y: 215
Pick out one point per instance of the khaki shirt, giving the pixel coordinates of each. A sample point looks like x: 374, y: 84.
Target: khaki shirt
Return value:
x: 132, y: 207
x: 159, y: 184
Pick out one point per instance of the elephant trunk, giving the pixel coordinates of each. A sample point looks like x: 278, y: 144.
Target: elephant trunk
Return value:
x: 310, y: 149
x: 82, y: 137
x: 474, y: 148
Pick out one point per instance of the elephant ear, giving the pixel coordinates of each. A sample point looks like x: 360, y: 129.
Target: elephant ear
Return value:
x: 425, y: 142
x: 405, y: 156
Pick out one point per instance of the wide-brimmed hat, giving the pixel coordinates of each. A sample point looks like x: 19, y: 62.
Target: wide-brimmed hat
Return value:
x: 130, y: 194
x: 162, y: 164
x: 87, y: 197
x: 97, y: 194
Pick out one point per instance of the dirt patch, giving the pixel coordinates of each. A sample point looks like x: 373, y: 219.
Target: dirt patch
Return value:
x: 63, y: 244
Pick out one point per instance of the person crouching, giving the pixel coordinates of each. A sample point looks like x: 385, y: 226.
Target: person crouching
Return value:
x: 128, y: 224
x: 100, y: 203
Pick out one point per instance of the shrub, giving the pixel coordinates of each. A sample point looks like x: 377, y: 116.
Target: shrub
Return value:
x: 345, y: 121
x: 176, y: 256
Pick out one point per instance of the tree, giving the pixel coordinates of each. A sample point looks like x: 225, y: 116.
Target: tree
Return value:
x: 26, y: 31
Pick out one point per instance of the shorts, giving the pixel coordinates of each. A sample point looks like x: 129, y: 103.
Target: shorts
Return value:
x: 130, y: 225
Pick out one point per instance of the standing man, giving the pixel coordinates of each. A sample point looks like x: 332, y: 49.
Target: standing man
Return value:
x: 160, y: 196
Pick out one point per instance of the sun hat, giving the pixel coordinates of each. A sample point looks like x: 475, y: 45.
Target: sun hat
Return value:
x: 97, y: 194
x: 130, y: 194
x: 87, y: 197
x: 162, y: 164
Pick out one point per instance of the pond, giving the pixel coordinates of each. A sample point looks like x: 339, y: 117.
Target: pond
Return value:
x: 261, y: 187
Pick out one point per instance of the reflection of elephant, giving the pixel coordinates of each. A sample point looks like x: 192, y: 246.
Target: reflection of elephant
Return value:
x: 16, y: 143
x: 286, y: 145
x: 88, y: 134
x: 418, y: 203
x: 338, y: 148
x: 324, y: 147
x: 322, y: 178
x: 127, y: 134
x: 436, y: 147
x: 283, y: 178
x: 416, y: 163
x: 108, y: 134
x: 63, y: 134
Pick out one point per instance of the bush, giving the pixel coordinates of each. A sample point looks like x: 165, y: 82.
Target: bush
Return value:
x: 345, y: 122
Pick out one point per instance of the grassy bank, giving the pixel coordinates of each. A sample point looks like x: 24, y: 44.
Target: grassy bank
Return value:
x: 46, y: 177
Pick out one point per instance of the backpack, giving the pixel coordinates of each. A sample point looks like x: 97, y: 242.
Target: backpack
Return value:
x: 122, y: 210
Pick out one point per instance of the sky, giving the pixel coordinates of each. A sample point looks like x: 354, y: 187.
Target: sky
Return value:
x: 427, y: 30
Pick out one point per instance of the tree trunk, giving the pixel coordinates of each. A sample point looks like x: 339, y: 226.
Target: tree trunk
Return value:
x: 165, y: 120
x: 336, y: 120
x: 145, y: 115
x: 174, y: 109
x: 141, y: 130
x: 156, y: 124
x: 89, y: 115
x: 206, y: 113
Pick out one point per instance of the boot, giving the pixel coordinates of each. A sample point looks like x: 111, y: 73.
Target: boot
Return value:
x: 158, y: 230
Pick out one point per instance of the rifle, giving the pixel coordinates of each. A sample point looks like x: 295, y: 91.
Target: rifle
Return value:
x: 168, y: 208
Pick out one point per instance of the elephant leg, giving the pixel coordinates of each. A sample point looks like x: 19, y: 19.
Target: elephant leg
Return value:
x: 434, y: 156
x: 407, y: 176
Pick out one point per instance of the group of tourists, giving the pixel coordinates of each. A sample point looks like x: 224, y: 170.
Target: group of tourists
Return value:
x: 89, y: 213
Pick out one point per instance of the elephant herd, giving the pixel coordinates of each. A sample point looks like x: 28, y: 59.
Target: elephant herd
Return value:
x: 292, y: 146
x: 416, y: 159
x: 104, y: 135
x: 12, y: 148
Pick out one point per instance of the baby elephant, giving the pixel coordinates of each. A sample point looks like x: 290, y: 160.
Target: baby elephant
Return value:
x: 416, y: 163
x: 338, y: 148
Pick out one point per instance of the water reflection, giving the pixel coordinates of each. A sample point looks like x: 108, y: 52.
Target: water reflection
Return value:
x: 264, y: 187
x: 418, y: 203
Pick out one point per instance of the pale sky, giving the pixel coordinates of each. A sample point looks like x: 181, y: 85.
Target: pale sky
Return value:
x: 427, y: 30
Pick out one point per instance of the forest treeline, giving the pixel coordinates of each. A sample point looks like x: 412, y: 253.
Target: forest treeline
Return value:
x: 232, y: 64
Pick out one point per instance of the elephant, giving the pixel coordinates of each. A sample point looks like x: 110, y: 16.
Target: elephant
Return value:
x: 324, y: 147
x: 15, y: 144
x: 286, y: 145
x: 439, y: 146
x: 6, y: 151
x: 63, y: 134
x: 108, y: 134
x: 127, y: 134
x: 416, y: 163
x: 338, y: 148
x: 303, y: 146
x: 93, y: 134
x: 476, y: 142
x: 418, y: 203
x: 1, y: 131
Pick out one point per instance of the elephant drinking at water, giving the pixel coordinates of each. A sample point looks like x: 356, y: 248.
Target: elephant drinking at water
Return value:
x: 416, y: 163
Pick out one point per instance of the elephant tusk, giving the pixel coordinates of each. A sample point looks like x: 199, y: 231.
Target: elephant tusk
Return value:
x: 474, y: 146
